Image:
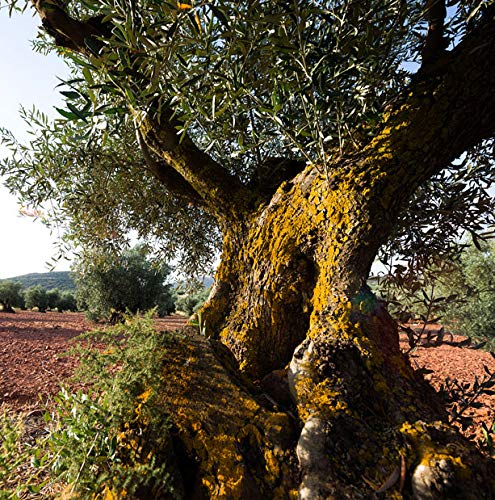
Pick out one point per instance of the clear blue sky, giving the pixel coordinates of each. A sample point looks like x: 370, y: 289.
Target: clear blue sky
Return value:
x: 28, y: 78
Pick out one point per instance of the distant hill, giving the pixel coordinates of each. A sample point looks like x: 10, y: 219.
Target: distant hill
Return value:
x: 59, y: 279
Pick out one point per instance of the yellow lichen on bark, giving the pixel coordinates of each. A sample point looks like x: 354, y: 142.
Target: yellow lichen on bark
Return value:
x: 427, y: 453
x: 242, y: 448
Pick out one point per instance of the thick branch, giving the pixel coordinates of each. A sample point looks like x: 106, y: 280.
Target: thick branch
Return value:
x: 435, y: 43
x: 68, y: 32
x: 170, y: 178
x: 223, y: 193
x: 440, y: 119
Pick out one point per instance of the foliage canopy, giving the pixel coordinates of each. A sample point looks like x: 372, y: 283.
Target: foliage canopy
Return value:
x: 36, y: 296
x: 248, y: 82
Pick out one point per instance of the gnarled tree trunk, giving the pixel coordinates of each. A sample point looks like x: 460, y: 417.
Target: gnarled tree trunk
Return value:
x: 290, y: 293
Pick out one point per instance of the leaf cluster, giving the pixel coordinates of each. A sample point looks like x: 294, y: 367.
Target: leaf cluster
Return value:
x: 89, y: 186
x: 455, y: 204
x: 258, y: 79
x: 460, y: 397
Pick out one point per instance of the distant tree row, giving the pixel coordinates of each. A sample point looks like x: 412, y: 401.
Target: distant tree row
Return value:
x: 108, y: 285
x: 61, y: 280
x: 14, y: 295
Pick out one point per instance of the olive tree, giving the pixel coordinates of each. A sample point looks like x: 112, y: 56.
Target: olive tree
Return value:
x: 67, y: 302
x: 299, y: 132
x: 53, y: 298
x: 109, y: 285
x: 36, y: 296
x: 10, y: 296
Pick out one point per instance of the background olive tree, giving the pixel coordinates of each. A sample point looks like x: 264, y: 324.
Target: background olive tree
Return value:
x: 11, y: 296
x: 108, y: 285
x: 36, y: 296
x: 472, y: 280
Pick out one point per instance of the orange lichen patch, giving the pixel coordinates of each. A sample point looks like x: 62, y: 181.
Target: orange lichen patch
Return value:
x: 319, y: 398
x: 109, y: 494
x: 145, y: 395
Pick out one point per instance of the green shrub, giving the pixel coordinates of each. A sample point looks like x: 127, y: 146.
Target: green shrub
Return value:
x: 112, y: 440
x: 110, y: 285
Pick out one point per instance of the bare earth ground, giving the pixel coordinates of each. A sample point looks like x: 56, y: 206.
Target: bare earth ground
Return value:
x: 32, y: 344
x: 461, y: 363
x: 32, y: 368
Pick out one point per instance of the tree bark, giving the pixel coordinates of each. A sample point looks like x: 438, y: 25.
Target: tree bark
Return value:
x: 292, y: 285
x: 7, y: 308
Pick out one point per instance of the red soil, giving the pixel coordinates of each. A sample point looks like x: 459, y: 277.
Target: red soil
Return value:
x: 461, y: 363
x: 32, y: 368
x: 32, y: 344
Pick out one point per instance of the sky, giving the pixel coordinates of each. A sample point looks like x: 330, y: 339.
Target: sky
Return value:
x: 28, y: 78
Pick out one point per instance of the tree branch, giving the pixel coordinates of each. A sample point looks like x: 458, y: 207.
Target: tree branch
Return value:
x: 435, y: 42
x: 439, y: 118
x: 224, y: 194
x: 170, y: 178
x: 68, y: 32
